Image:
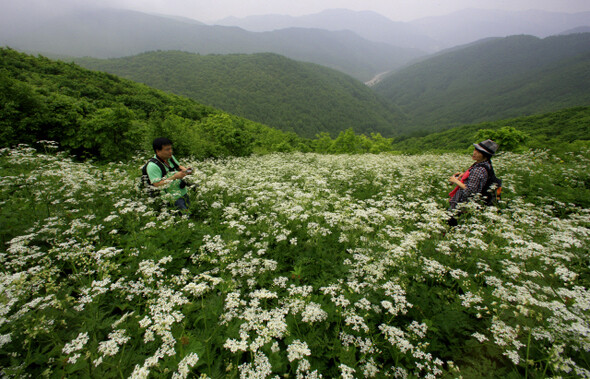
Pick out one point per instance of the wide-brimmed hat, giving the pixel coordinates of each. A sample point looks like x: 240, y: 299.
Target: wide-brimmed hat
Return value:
x: 487, y: 147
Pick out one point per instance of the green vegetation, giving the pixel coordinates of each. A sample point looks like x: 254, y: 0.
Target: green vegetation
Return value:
x: 487, y: 81
x: 100, y: 115
x: 292, y: 96
x: 493, y: 80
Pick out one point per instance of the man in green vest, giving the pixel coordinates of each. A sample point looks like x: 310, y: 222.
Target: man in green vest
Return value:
x: 164, y: 171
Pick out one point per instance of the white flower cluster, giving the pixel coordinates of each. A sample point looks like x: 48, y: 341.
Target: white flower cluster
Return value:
x: 74, y: 346
x: 152, y: 270
x: 260, y: 368
x: 185, y: 365
x: 313, y: 312
x: 297, y: 350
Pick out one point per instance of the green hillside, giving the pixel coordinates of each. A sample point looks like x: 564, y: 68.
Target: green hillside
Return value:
x: 565, y: 130
x: 293, y: 96
x: 493, y: 80
x: 100, y: 115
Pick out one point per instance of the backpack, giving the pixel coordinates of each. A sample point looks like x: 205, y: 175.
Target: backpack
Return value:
x: 146, y: 184
x: 491, y: 195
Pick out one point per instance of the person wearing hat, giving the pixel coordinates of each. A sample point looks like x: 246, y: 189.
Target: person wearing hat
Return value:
x: 473, y: 180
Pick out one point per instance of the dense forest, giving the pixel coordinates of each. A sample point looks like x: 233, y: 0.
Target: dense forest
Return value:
x: 100, y: 115
x: 493, y: 80
x: 292, y: 96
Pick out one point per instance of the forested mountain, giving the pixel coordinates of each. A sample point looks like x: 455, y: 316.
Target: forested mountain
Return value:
x: 108, y: 33
x: 102, y: 116
x: 304, y: 98
x: 496, y: 79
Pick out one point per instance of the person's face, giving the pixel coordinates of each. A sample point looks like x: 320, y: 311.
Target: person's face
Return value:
x: 477, y: 156
x: 165, y: 153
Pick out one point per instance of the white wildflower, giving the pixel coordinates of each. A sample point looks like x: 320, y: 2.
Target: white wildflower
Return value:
x: 313, y: 312
x: 346, y: 372
x: 297, y: 350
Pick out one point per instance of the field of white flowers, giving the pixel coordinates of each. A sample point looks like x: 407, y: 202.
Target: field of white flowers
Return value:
x: 292, y: 265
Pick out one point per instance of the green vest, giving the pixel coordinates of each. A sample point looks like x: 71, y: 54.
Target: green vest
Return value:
x: 172, y: 190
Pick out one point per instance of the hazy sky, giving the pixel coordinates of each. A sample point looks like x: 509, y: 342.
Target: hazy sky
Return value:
x: 211, y: 10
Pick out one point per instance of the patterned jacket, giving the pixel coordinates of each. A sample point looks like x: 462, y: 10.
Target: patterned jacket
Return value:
x: 478, y: 176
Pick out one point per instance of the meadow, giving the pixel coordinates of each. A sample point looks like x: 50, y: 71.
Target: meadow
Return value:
x: 294, y: 265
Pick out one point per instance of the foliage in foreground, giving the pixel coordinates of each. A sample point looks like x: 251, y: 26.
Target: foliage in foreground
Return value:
x: 292, y: 264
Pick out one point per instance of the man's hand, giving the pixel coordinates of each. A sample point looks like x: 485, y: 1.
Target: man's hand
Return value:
x: 179, y: 175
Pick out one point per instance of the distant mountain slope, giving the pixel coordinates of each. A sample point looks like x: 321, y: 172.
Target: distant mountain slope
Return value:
x: 497, y: 79
x: 293, y: 96
x: 430, y: 33
x: 581, y: 29
x: 367, y: 24
x: 109, y: 33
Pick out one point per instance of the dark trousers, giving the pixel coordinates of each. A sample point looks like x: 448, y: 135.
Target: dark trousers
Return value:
x: 182, y: 203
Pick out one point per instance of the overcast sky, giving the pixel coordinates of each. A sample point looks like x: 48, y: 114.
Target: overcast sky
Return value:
x: 397, y: 10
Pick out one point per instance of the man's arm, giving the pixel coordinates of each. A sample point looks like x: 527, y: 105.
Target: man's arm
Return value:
x: 155, y: 175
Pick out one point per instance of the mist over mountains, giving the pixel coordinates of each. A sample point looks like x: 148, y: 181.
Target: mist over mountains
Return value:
x: 429, y: 34
x: 110, y: 33
x: 493, y: 79
x: 361, y: 44
x: 367, y: 24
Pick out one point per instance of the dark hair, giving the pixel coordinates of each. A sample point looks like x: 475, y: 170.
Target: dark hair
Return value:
x: 486, y: 155
x: 159, y: 143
